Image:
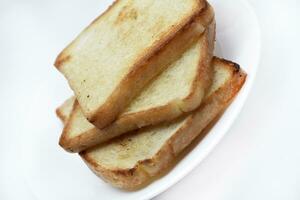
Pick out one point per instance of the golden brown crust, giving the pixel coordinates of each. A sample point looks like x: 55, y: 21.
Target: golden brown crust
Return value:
x: 138, y: 175
x: 210, y: 107
x: 131, y: 177
x: 63, y: 112
x: 79, y: 143
x: 204, y: 73
x: 62, y: 58
x: 82, y: 141
x: 131, y: 121
x: 61, y: 116
x: 64, y: 139
x: 125, y: 124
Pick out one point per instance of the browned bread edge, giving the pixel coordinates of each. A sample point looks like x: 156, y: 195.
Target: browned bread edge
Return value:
x: 136, y: 176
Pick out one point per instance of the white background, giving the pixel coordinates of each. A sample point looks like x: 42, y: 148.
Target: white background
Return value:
x: 259, y: 158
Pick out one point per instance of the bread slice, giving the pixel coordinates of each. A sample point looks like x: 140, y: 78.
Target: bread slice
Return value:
x: 64, y: 111
x: 130, y: 161
x: 179, y: 89
x: 110, y: 62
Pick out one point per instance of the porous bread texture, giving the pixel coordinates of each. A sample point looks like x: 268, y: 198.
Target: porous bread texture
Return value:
x: 179, y: 89
x: 130, y: 161
x: 122, y: 50
x: 178, y: 81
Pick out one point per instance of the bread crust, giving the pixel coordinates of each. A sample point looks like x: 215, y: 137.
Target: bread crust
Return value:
x: 131, y: 121
x: 63, y: 112
x: 150, y: 63
x: 61, y: 116
x: 133, y: 178
x: 204, y: 72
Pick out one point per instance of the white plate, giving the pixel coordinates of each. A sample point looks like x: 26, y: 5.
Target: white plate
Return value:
x: 32, y: 34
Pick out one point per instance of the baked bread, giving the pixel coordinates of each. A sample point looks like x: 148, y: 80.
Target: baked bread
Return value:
x: 64, y: 111
x: 179, y: 89
x: 132, y: 160
x: 111, y: 61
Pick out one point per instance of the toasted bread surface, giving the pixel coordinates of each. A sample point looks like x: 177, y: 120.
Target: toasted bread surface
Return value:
x: 179, y: 89
x: 130, y: 161
x: 110, y: 62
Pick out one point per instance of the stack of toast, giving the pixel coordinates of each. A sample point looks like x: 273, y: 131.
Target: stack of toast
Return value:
x: 145, y: 84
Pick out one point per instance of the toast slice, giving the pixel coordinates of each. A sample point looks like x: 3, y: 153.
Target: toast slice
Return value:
x: 110, y: 62
x: 179, y: 89
x: 64, y: 111
x: 130, y: 161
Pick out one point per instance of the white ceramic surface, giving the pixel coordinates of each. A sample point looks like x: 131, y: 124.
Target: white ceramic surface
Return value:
x: 33, y: 34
